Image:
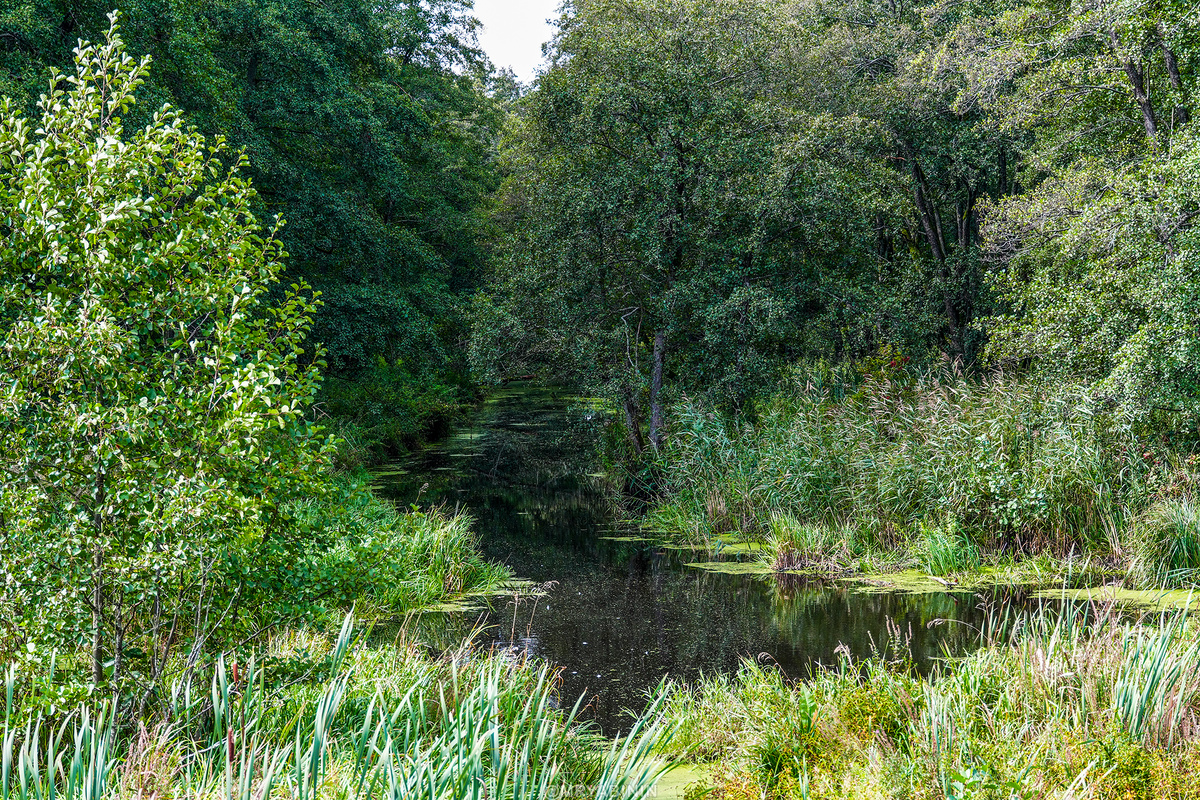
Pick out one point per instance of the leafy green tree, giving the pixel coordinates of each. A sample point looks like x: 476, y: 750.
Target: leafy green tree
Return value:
x: 649, y: 197
x: 701, y: 192
x: 154, y: 405
x: 367, y: 125
x: 870, y: 61
x: 1096, y: 256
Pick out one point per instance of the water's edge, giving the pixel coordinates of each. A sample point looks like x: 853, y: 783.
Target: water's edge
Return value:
x: 616, y: 611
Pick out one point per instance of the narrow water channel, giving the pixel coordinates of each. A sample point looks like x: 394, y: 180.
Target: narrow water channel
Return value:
x: 618, y: 614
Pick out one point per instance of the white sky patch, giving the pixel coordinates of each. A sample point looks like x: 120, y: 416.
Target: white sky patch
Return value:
x: 514, y: 31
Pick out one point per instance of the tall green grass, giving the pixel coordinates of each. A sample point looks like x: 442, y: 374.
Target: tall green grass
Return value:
x: 367, y: 553
x: 945, y: 549
x: 1166, y: 543
x: 1011, y: 466
x: 477, y: 728
x: 792, y: 544
x: 1073, y: 702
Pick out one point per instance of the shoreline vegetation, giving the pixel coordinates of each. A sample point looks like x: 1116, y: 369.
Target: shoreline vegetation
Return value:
x: 930, y: 481
x: 1076, y: 702
x: 1002, y: 480
x: 327, y: 716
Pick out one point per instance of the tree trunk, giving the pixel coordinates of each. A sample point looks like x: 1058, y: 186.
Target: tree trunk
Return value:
x: 1181, y: 114
x: 927, y: 212
x: 931, y: 221
x: 98, y: 613
x: 98, y: 581
x: 883, y: 238
x: 118, y: 651
x: 965, y: 212
x: 656, y: 407
x: 1137, y: 83
x: 1002, y: 169
x: 1143, y: 100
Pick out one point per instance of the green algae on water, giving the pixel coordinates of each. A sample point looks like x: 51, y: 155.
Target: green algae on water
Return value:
x: 733, y: 567
x: 454, y: 607
x: 739, y: 548
x: 1144, y: 599
x: 675, y: 781
x: 906, y: 582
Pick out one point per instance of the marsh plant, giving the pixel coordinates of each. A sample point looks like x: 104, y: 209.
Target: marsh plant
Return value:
x: 1166, y: 542
x: 931, y: 470
x: 1073, y: 702
x: 356, y: 722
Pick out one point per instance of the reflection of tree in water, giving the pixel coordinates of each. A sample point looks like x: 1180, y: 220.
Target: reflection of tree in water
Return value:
x: 819, y: 616
x: 624, y: 614
x: 660, y: 619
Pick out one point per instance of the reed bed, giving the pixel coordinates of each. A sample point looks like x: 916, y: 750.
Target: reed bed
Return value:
x: 1074, y: 703
x: 934, y: 471
x: 468, y: 727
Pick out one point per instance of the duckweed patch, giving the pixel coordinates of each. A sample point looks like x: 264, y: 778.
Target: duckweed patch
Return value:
x: 1143, y: 599
x: 732, y: 567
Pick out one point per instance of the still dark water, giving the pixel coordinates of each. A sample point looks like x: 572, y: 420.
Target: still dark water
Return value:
x: 618, y: 616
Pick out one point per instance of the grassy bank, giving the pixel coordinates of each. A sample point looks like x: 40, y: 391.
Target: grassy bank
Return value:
x: 363, y: 551
x: 935, y: 472
x: 339, y: 549
x: 321, y: 717
x: 1081, y: 705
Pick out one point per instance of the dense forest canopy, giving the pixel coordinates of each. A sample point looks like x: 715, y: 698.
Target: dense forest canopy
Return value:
x: 368, y: 128
x: 696, y: 195
x: 700, y: 193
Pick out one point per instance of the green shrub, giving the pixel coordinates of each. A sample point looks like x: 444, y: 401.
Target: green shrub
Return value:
x: 158, y: 377
x: 874, y: 707
x: 789, y: 740
x: 721, y: 714
x: 354, y: 446
x: 1124, y: 770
